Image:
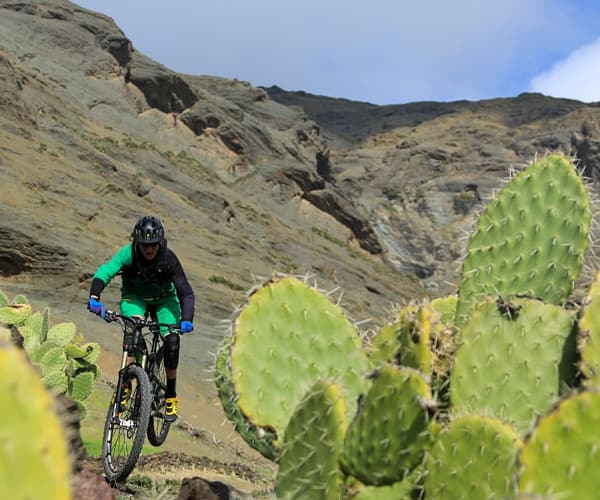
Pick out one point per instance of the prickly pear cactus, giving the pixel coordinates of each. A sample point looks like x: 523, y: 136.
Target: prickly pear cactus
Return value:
x: 514, y: 360
x: 15, y: 314
x: 65, y: 365
x: 560, y: 458
x: 286, y: 338
x: 314, y: 436
x: 405, y: 341
x: 589, y: 335
x: 473, y: 457
x: 390, y: 433
x: 531, y: 239
x: 264, y: 441
x: 408, y: 489
x: 34, y: 460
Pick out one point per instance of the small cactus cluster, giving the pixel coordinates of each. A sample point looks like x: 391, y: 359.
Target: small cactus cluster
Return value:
x: 65, y: 363
x: 490, y: 393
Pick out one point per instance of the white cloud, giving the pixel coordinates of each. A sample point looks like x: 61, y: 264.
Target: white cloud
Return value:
x: 383, y: 51
x: 576, y: 77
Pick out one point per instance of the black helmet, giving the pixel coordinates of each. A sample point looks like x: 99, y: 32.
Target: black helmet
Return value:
x: 148, y: 230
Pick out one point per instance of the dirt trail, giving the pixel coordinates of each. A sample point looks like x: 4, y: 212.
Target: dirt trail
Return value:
x: 202, y: 443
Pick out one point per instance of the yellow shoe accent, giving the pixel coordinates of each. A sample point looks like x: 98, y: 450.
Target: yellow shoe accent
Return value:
x: 171, y: 409
x: 125, y: 395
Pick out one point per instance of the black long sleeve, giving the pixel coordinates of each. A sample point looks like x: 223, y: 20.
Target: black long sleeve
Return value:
x: 185, y: 293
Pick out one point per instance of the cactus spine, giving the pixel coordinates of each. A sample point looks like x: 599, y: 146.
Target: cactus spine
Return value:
x: 313, y: 441
x: 560, y: 458
x: 286, y: 338
x: 388, y: 437
x: 505, y: 346
x: 531, y: 239
x: 65, y: 364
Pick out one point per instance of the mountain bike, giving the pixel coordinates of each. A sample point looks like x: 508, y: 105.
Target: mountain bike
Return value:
x: 137, y: 407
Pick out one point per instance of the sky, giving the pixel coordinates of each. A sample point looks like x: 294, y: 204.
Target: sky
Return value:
x: 378, y: 51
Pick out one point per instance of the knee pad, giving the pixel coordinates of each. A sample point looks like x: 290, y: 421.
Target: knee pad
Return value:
x: 171, y: 350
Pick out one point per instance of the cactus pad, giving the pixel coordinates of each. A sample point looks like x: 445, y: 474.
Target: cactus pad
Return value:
x: 405, y: 341
x: 15, y: 314
x: 390, y: 432
x: 312, y: 444
x: 286, y: 338
x: 589, y: 335
x: 407, y: 489
x: 34, y: 460
x: 62, y: 333
x: 561, y: 459
x: 513, y: 361
x: 81, y: 386
x: 531, y: 239
x: 264, y: 441
x: 473, y: 457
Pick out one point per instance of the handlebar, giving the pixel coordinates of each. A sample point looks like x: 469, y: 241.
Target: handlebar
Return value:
x: 110, y: 316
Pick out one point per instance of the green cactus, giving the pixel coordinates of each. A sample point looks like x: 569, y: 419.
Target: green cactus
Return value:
x: 561, y: 458
x: 445, y: 310
x: 514, y: 360
x: 53, y: 361
x: 34, y: 322
x: 473, y: 457
x: 62, y: 333
x: 57, y: 380
x: 443, y: 343
x: 20, y: 299
x: 390, y: 433
x: 55, y: 350
x: 34, y: 460
x: 262, y: 440
x: 589, y: 335
x: 81, y: 385
x: 531, y: 239
x: 286, y: 338
x: 406, y: 341
x: 75, y: 351
x: 312, y: 444
x: 89, y: 352
x: 3, y: 299
x: 45, y: 326
x: 407, y: 489
x: 15, y: 314
x: 385, y: 347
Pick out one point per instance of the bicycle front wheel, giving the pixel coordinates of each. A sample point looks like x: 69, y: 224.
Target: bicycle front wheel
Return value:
x: 158, y: 427
x: 125, y: 426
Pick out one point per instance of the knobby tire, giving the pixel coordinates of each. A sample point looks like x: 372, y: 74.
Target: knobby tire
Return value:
x: 158, y: 427
x: 124, y: 434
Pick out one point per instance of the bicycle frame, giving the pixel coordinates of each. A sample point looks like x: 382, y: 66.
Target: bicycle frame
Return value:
x: 127, y: 423
x: 138, y: 349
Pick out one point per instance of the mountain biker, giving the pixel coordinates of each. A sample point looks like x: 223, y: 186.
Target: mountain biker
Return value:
x: 151, y: 276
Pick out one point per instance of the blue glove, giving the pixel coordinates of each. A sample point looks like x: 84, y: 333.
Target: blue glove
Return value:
x: 96, y: 307
x: 186, y: 326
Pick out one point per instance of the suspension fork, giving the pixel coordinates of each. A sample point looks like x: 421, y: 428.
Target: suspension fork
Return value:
x: 139, y: 356
x: 134, y: 352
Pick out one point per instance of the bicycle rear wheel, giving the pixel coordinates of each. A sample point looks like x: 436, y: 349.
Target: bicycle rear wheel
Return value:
x: 125, y: 426
x: 158, y: 427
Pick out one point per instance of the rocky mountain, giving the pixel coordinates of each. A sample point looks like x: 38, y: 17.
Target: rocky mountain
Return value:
x: 375, y: 200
